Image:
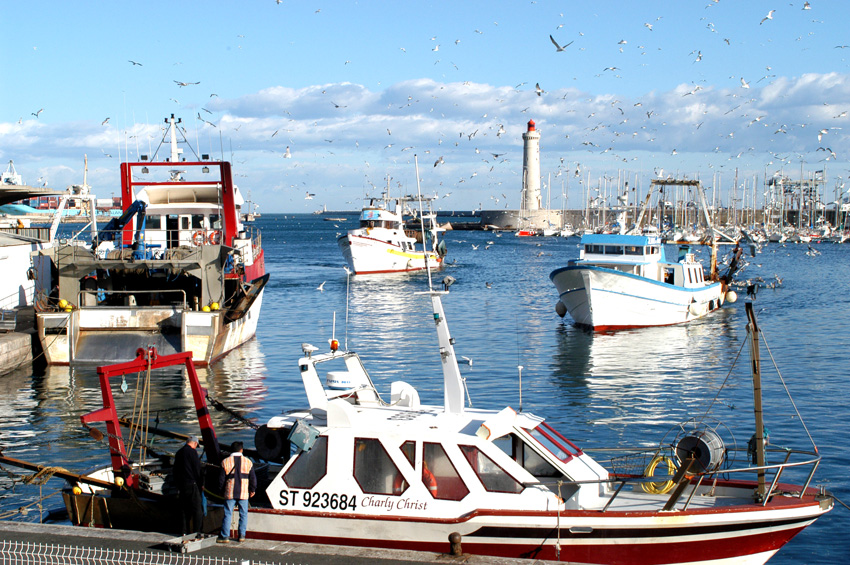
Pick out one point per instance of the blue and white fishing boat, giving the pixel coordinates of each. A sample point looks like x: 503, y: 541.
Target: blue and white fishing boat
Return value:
x: 626, y: 281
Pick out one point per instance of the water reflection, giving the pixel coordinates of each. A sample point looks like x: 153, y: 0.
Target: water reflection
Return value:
x: 649, y: 377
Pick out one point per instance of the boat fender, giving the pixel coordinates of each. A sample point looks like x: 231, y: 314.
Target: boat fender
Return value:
x: 731, y: 297
x: 198, y: 238
x: 441, y: 248
x: 32, y: 274
x: 215, y: 237
x: 560, y: 309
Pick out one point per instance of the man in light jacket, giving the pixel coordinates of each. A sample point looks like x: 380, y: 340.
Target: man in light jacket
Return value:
x: 239, y: 483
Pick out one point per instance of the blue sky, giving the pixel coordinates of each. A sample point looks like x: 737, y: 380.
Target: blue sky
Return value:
x: 355, y: 89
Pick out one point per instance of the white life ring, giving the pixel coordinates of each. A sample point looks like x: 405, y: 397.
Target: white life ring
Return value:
x: 215, y: 237
x: 198, y: 238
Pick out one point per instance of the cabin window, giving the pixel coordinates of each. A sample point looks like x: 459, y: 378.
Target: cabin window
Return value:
x: 215, y: 222
x: 197, y: 221
x: 594, y: 249
x: 555, y: 443
x: 153, y: 222
x: 439, y: 474
x: 690, y: 275
x: 613, y: 250
x: 491, y: 475
x: 408, y: 448
x: 184, y: 222
x: 669, y: 276
x: 374, y: 471
x: 309, y: 467
x: 634, y: 250
x: 654, y: 249
x: 525, y: 456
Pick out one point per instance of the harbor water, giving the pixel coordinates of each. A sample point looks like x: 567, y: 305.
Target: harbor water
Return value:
x: 601, y: 390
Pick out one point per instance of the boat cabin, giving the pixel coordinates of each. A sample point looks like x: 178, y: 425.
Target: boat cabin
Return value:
x: 379, y: 218
x: 642, y: 256
x: 353, y: 451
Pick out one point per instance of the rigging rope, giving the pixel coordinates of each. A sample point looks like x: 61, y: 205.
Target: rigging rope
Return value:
x: 659, y: 487
x: 723, y: 384
x: 788, y: 392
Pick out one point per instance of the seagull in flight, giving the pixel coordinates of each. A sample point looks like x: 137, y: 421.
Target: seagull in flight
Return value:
x: 744, y: 84
x: 287, y: 155
x: 309, y: 196
x: 439, y: 161
x: 769, y: 16
x: 186, y: 83
x: 37, y: 113
x: 538, y: 90
x: 559, y: 48
x: 134, y: 63
x: 321, y: 287
x: 104, y: 122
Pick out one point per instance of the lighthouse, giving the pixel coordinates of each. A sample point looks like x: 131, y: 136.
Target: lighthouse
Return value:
x: 530, y: 169
x: 532, y: 218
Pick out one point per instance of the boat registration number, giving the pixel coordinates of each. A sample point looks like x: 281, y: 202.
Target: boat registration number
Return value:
x: 324, y: 500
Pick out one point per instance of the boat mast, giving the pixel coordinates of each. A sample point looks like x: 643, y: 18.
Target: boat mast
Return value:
x: 752, y: 327
x: 454, y: 397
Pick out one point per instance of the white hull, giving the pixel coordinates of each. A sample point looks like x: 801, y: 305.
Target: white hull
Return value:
x: 714, y: 536
x: 103, y: 334
x: 608, y: 299
x: 368, y: 255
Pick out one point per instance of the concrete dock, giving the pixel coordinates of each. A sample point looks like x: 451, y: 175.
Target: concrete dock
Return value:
x: 40, y: 543
x: 16, y: 347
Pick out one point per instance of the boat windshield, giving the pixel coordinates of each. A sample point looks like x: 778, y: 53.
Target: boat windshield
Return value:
x: 554, y: 442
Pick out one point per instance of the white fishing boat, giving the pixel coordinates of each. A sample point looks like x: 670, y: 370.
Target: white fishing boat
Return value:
x: 177, y: 270
x: 626, y: 281
x: 384, y: 243
x: 354, y: 468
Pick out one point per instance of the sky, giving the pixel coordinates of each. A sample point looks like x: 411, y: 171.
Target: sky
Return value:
x: 708, y: 89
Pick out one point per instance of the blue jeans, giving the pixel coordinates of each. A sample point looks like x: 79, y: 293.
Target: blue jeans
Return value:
x: 228, y: 517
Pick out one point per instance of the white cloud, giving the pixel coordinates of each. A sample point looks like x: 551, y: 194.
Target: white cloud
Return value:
x: 345, y: 138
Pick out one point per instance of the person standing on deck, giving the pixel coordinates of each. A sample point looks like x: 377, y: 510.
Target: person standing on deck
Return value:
x: 239, y: 483
x: 190, y: 486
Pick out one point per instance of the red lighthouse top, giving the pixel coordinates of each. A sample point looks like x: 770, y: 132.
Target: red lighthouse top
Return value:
x: 530, y: 125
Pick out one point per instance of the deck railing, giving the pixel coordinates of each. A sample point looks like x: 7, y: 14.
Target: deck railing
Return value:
x: 625, y: 471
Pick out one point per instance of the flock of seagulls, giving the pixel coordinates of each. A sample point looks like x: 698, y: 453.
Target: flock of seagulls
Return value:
x: 616, y: 128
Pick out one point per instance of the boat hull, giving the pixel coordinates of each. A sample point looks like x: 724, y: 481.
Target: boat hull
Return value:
x: 606, y: 299
x: 366, y: 255
x: 102, y: 334
x: 741, y: 535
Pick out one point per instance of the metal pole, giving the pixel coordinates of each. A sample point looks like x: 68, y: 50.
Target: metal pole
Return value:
x: 757, y: 399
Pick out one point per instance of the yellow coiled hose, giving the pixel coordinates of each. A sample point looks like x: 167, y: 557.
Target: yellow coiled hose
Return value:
x: 659, y: 487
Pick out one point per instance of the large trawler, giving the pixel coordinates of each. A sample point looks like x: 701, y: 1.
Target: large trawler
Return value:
x: 178, y: 270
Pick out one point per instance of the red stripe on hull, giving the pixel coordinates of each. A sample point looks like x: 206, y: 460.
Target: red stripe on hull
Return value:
x: 397, y: 270
x: 616, y: 552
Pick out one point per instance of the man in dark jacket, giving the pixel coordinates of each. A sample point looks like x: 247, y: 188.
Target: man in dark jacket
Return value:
x: 190, y: 485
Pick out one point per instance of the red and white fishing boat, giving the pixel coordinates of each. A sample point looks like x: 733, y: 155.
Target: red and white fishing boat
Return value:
x: 383, y: 243
x: 356, y: 469
x: 396, y: 473
x: 178, y: 270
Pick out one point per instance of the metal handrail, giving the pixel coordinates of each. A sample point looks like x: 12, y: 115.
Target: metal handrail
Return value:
x: 778, y: 467
x: 95, y: 292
